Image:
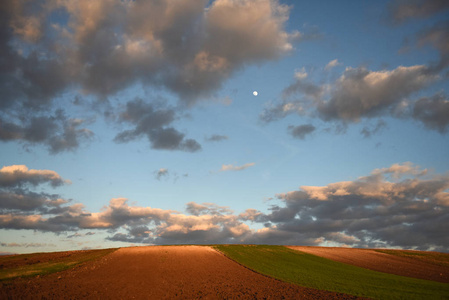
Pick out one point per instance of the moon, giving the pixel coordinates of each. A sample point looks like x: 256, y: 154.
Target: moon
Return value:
x: 255, y: 93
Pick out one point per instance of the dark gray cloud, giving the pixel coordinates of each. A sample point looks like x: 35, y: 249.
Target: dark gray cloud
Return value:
x: 75, y: 235
x: 162, y: 172
x: 216, y: 138
x: 438, y: 37
x: 361, y: 93
x: 309, y: 92
x: 301, y: 131
x: 182, y: 45
x: 153, y: 122
x: 28, y: 80
x: 377, y: 210
x: 197, y: 209
x: 58, y: 133
x: 190, y: 48
x: 403, y: 10
x: 301, y: 85
x: 275, y: 112
x: 368, y: 131
x: 357, y: 95
x: 23, y: 200
x: 129, y: 238
x: 433, y: 112
x: 166, y: 174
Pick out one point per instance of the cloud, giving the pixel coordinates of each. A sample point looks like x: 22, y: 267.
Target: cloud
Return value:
x: 253, y: 215
x: 75, y: 235
x: 24, y: 200
x: 152, y: 121
x: 362, y: 93
x: 207, y: 209
x: 373, y: 211
x: 24, y: 71
x: 401, y: 205
x: 216, y: 138
x: 183, y: 46
x: 57, y: 132
x: 236, y: 168
x: 433, y: 112
x: 359, y: 95
x: 309, y: 90
x: 332, y: 64
x: 367, y: 131
x: 165, y: 173
x: 402, y: 11
x: 161, y: 173
x: 186, y: 48
x: 27, y: 245
x: 281, y: 110
x: 399, y: 170
x: 209, y: 224
x: 31, y: 222
x: 22, y: 208
x: 438, y: 37
x: 301, y: 131
x: 18, y: 175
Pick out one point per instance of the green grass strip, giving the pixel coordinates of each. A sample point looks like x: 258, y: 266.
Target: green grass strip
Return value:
x: 50, y: 266
x: 320, y: 273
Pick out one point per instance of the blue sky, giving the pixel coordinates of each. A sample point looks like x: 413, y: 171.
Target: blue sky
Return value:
x: 127, y: 123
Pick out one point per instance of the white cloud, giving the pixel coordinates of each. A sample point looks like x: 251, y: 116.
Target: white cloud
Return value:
x: 332, y: 64
x: 236, y: 168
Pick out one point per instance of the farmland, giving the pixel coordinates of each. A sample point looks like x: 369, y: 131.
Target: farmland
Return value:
x: 317, y: 272
x: 221, y: 271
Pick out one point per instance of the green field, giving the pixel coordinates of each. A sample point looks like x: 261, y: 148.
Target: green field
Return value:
x: 324, y: 274
x: 46, y: 267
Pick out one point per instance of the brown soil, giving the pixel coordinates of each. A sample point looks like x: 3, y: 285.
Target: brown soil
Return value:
x: 159, y: 272
x: 422, y: 265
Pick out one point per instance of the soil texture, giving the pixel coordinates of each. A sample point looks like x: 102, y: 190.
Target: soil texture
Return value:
x: 159, y: 272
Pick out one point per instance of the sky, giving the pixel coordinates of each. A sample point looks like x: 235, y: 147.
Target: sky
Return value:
x: 224, y: 121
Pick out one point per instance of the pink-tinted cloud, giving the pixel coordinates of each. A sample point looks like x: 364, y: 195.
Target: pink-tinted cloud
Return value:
x: 401, y: 205
x: 17, y: 175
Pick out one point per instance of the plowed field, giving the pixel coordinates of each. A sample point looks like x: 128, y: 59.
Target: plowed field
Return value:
x: 422, y: 265
x: 159, y: 272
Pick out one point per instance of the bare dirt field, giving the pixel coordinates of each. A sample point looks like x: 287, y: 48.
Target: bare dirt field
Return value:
x: 159, y: 272
x: 422, y: 265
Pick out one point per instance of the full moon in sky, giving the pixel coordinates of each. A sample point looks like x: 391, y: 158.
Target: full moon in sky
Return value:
x: 255, y: 93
